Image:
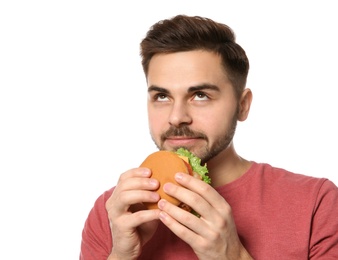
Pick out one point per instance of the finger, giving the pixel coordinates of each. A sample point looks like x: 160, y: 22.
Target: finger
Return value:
x: 134, y: 186
x: 208, y: 215
x: 193, y: 230
x: 212, y: 215
x: 188, y: 197
x: 134, y: 220
x: 137, y: 183
x: 135, y: 179
x: 124, y: 200
x: 186, y: 234
x: 182, y: 216
x: 206, y: 191
x: 135, y: 172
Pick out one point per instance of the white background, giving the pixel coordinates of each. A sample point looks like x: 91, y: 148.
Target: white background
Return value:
x: 73, y: 114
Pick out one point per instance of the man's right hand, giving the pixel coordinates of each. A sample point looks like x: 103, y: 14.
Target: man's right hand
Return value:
x: 131, y: 224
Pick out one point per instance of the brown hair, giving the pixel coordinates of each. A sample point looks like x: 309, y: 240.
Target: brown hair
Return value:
x: 187, y: 33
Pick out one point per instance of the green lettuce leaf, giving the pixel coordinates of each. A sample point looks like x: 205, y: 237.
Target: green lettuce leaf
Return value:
x: 195, y: 163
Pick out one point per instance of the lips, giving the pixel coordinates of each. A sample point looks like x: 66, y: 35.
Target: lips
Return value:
x: 180, y: 132
x: 182, y: 136
x: 184, y: 141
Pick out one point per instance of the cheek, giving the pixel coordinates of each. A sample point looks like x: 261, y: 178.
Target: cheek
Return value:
x: 157, y: 124
x: 216, y: 121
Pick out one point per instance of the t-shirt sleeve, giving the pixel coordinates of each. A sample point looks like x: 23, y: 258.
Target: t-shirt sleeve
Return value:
x: 324, y: 233
x: 96, y: 243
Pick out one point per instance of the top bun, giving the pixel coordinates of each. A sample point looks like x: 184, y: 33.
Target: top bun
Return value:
x: 164, y: 165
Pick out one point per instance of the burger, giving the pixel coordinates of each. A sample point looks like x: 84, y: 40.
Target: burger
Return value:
x: 165, y: 164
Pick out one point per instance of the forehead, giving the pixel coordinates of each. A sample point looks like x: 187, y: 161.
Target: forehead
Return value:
x: 186, y: 69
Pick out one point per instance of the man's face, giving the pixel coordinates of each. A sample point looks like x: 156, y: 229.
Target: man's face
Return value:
x: 191, y: 103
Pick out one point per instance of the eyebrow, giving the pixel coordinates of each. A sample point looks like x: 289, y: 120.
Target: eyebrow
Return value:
x: 190, y: 89
x: 157, y: 89
x: 203, y: 87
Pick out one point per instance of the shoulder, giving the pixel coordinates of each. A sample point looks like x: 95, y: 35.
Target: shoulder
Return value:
x: 96, y: 235
x: 101, y: 200
x: 98, y: 212
x: 283, y: 176
x: 295, y: 184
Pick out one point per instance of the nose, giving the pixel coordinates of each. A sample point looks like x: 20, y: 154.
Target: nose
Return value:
x: 179, y: 115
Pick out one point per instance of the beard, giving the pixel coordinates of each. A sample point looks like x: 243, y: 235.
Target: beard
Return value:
x: 205, y: 153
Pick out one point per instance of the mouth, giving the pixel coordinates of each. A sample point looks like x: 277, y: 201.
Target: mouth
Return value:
x: 182, y: 141
x: 182, y: 137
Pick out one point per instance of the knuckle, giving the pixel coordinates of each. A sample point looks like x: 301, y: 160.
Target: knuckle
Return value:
x: 227, y: 210
x: 204, y: 189
x: 204, y: 245
x: 195, y: 200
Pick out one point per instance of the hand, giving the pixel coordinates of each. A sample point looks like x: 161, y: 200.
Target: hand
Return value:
x: 131, y: 225
x: 213, y: 235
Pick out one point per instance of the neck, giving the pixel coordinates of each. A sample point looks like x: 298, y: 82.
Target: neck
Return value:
x: 227, y: 167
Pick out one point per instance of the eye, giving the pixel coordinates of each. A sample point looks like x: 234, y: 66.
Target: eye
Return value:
x: 201, y: 96
x: 160, y: 97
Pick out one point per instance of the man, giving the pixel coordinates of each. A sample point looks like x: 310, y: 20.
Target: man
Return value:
x: 196, y: 75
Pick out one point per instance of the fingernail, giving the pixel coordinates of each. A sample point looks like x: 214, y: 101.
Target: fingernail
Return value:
x: 145, y: 172
x: 178, y: 176
x: 161, y: 204
x: 163, y: 216
x: 167, y: 187
x: 155, y: 196
x: 153, y: 182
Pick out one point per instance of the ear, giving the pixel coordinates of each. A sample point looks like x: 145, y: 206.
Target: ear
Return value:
x: 244, y: 104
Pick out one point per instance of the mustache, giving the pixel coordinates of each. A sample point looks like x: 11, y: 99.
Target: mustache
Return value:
x: 182, y: 131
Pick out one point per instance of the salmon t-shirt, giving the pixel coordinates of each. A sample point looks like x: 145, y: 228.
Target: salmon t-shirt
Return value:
x: 278, y: 215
